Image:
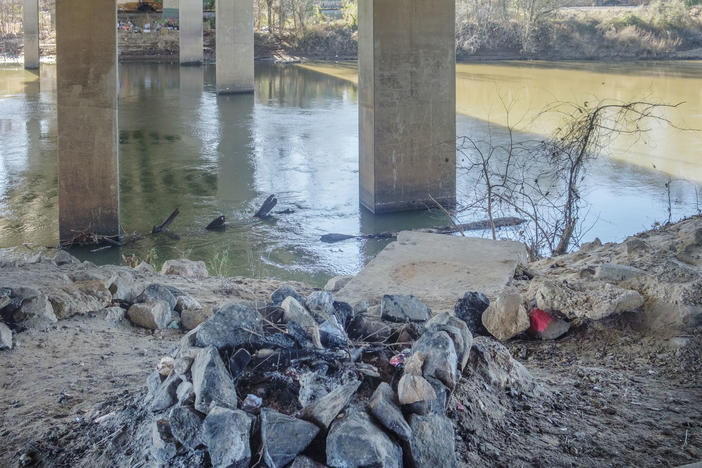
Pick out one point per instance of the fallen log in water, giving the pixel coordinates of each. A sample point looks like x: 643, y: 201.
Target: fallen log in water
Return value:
x: 164, y: 226
x: 472, y: 226
x: 266, y: 208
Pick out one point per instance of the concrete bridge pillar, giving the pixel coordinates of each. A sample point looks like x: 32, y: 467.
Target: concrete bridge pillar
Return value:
x: 86, y: 81
x: 235, y: 46
x: 190, y: 23
x: 31, y: 34
x: 407, y: 104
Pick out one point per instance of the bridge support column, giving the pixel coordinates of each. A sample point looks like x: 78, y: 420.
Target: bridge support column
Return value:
x: 190, y: 23
x: 31, y: 34
x: 86, y: 81
x: 407, y: 104
x: 235, y: 46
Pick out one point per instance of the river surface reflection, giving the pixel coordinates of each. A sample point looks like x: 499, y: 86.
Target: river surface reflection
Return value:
x: 182, y: 146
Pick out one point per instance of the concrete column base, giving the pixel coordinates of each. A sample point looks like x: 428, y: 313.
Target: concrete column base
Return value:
x: 235, y: 46
x: 31, y: 34
x: 88, y: 174
x: 407, y: 104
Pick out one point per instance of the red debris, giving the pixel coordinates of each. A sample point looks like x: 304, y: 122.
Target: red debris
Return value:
x: 398, y: 359
x: 539, y: 320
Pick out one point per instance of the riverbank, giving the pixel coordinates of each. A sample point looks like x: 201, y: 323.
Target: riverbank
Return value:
x: 71, y: 380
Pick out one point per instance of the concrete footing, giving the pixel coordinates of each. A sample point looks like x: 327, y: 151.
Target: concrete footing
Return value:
x: 437, y: 268
x: 190, y: 23
x: 31, y: 34
x: 407, y: 104
x: 235, y: 46
x: 86, y: 54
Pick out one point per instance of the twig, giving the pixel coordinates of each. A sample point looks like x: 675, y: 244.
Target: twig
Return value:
x: 449, y: 216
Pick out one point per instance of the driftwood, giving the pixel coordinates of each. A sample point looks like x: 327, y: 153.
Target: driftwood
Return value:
x: 473, y: 226
x: 216, y: 224
x: 266, y: 208
x: 164, y: 226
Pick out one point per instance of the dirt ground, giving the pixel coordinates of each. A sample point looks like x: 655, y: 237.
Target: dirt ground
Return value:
x: 608, y: 394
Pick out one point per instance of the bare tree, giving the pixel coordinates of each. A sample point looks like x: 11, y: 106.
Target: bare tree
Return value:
x: 541, y: 180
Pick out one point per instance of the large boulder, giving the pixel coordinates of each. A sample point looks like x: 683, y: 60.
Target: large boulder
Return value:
x: 165, y: 394
x: 212, y: 382
x: 397, y: 308
x: 507, y: 316
x: 284, y: 437
x: 185, y: 268
x: 384, y: 407
x: 191, y: 318
x: 491, y: 361
x: 232, y: 326
x: 323, y: 411
x: 321, y: 305
x: 226, y: 433
x: 354, y: 441
x: 153, y: 315
x: 432, y: 443
x: 163, y: 444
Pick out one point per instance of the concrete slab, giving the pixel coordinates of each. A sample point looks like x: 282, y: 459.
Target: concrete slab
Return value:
x: 439, y: 269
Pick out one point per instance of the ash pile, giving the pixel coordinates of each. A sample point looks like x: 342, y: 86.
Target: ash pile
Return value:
x: 311, y: 382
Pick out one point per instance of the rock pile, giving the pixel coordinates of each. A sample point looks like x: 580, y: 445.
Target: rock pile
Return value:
x: 306, y: 381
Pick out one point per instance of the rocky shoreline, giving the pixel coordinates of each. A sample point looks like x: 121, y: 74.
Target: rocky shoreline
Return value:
x: 250, y: 372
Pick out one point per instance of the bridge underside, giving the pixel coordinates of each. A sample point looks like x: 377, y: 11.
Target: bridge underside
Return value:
x: 407, y: 101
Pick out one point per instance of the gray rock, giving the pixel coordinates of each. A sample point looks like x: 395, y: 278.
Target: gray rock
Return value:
x: 305, y: 462
x: 433, y: 441
x: 182, y: 365
x: 35, y: 312
x: 337, y: 283
x: 343, y: 312
x: 115, y: 314
x: 284, y: 291
x: 186, y: 302
x: 64, y: 258
x: 365, y: 328
x: 238, y: 362
x: 440, y: 359
x: 163, y: 446
x: 323, y: 411
x: 185, y: 268
x: 226, y: 433
x: 402, y: 309
x: 491, y: 361
x: 295, y: 312
x: 165, y: 395
x: 191, y: 318
x: 463, y: 341
x: 153, y: 315
x: 123, y: 286
x: 185, y: 393
x: 470, y: 309
x: 5, y: 337
x: 555, y: 329
x: 186, y: 426
x: 212, y: 382
x: 332, y: 334
x: 144, y: 268
x: 79, y: 298
x: 231, y: 327
x: 614, y: 273
x: 507, y: 316
x: 153, y: 381
x: 284, y: 437
x: 157, y: 292
x: 414, y: 388
x: 384, y: 407
x: 354, y: 441
x: 321, y: 305
x: 635, y: 245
